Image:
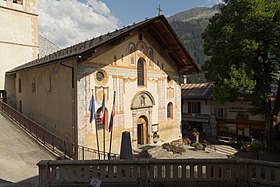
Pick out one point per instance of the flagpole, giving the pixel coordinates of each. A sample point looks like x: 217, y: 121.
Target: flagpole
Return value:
x: 96, y: 131
x: 111, y: 133
x: 104, y: 127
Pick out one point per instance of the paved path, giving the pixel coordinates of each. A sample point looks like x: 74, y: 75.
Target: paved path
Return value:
x: 156, y: 151
x: 19, y: 155
x: 220, y: 152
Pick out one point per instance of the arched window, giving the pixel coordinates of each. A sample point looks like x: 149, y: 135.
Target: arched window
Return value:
x: 170, y: 110
x: 151, y: 56
x: 98, y: 123
x: 19, y: 85
x: 131, y: 50
x: 141, y: 72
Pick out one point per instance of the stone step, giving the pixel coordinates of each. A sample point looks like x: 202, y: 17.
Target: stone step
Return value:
x: 225, y: 149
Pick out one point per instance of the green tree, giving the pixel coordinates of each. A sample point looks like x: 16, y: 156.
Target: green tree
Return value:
x: 243, y: 42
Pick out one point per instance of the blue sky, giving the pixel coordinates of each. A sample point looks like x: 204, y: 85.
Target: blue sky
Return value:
x: 129, y: 11
x: 68, y: 22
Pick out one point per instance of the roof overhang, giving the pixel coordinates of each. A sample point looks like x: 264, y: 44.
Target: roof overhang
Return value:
x: 162, y: 31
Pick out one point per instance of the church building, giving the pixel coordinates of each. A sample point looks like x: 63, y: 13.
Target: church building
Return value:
x: 142, y: 63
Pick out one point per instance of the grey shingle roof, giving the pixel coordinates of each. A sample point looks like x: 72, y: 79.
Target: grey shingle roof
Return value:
x: 196, y: 91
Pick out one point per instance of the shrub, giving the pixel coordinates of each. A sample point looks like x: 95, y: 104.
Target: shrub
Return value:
x: 197, y: 146
x: 180, y: 150
x: 186, y: 141
x: 144, y: 154
x: 165, y: 145
x: 173, y: 148
x: 254, y: 147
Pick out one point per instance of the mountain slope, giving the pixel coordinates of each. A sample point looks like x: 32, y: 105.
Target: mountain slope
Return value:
x: 189, y: 26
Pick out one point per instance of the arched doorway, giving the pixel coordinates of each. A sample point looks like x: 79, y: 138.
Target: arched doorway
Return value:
x: 142, y: 130
x: 142, y: 109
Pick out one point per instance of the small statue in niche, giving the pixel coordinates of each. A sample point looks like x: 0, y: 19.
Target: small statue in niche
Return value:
x: 142, y: 100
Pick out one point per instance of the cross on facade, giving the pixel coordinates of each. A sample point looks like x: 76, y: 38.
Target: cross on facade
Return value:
x: 159, y: 9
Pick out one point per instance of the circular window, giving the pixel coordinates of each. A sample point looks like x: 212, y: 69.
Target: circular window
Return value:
x: 100, y: 76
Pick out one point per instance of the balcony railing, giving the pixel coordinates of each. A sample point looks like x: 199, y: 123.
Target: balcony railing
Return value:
x: 160, y: 172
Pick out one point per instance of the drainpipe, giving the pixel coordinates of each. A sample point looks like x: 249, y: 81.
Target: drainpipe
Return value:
x: 73, y: 109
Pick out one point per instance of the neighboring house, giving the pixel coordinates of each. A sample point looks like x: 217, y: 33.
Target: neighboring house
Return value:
x: 201, y: 111
x: 143, y: 63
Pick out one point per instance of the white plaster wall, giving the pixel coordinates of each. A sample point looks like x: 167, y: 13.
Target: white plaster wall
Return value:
x: 17, y: 29
x: 12, y: 56
x: 244, y: 106
x: 19, y: 35
x: 51, y: 105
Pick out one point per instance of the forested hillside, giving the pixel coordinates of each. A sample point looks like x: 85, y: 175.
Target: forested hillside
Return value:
x: 189, y: 25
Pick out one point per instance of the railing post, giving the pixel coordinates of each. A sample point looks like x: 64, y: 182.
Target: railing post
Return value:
x: 242, y: 173
x: 83, y: 152
x: 144, y: 173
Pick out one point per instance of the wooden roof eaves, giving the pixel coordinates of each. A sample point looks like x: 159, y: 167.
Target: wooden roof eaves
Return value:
x: 56, y: 61
x: 174, y: 35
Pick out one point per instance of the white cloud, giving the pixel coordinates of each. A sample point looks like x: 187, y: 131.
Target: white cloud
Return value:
x: 214, y: 2
x: 67, y: 22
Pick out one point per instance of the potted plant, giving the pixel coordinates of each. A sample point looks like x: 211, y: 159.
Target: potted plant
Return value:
x: 254, y: 148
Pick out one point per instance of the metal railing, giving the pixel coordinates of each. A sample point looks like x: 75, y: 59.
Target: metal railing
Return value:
x: 160, y: 172
x: 53, y: 143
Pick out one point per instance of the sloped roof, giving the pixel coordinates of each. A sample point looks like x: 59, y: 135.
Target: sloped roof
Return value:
x: 158, y: 27
x: 196, y: 91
